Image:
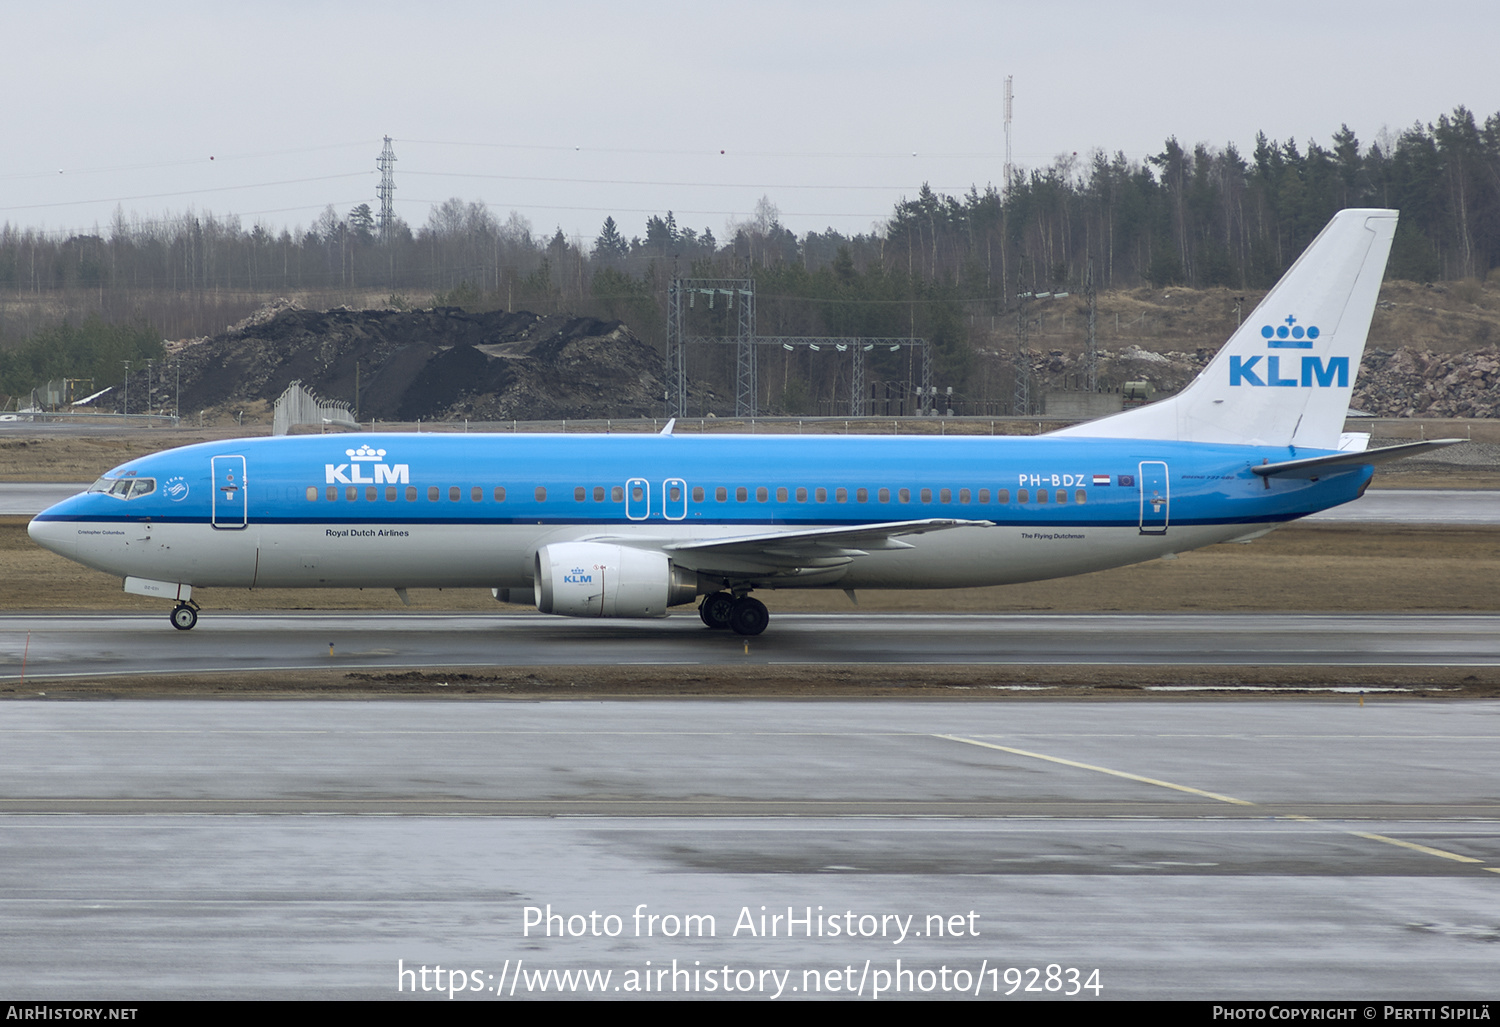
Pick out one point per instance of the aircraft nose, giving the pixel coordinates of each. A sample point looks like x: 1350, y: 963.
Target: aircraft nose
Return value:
x: 53, y: 535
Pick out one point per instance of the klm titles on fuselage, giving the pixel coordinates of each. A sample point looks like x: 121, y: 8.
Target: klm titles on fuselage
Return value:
x: 364, y: 459
x: 1312, y: 372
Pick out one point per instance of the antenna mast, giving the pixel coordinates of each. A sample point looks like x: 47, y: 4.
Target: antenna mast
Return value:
x: 1009, y: 102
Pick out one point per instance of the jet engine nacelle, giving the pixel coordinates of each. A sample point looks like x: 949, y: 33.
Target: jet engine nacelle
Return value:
x: 596, y: 579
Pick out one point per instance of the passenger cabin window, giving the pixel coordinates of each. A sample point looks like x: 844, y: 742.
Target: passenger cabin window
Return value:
x: 617, y: 494
x: 370, y: 493
x: 904, y: 495
x: 541, y: 494
x: 741, y: 495
x: 674, y: 493
x: 351, y: 493
x: 312, y: 493
x: 885, y: 495
x: 984, y: 495
x: 432, y: 493
x: 390, y: 493
x: 821, y: 495
x: 579, y: 494
x: 1041, y: 495
x: 598, y: 493
x: 1062, y: 495
x: 333, y: 493
x: 411, y: 493
x: 946, y: 496
x: 1078, y: 496
x: 781, y: 495
x: 841, y: 496
x: 1003, y: 496
x: 963, y: 495
x: 697, y: 493
x: 927, y: 495
x: 762, y: 494
x: 500, y: 494
x: 476, y: 494
x: 1022, y: 496
x: 452, y: 493
x: 861, y: 495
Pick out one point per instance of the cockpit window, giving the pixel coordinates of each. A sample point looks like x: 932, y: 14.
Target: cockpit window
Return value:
x: 125, y: 488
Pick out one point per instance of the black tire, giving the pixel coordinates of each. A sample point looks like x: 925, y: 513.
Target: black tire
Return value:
x: 184, y: 618
x: 749, y: 616
x: 715, y: 610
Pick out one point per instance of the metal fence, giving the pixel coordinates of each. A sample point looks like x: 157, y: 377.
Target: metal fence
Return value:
x: 299, y: 406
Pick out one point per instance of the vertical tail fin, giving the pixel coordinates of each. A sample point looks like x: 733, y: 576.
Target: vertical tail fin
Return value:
x: 1285, y: 377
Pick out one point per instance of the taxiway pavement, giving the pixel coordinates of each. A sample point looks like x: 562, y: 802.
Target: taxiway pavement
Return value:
x: 1302, y: 849
x: 82, y: 645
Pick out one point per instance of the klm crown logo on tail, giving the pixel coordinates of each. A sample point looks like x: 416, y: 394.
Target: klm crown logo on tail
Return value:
x: 1312, y: 372
x: 1289, y: 336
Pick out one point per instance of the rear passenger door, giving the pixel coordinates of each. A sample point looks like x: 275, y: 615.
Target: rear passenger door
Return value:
x: 1155, y: 497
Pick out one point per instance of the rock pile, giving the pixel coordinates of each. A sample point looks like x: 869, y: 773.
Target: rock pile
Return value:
x: 1405, y: 382
x: 1410, y: 382
x: 437, y: 364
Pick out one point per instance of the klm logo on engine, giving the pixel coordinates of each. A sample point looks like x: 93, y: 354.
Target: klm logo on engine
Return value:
x: 1307, y: 372
x: 366, y: 466
x: 577, y: 576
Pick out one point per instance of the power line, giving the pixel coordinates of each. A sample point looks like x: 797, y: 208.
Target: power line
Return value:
x: 682, y: 185
x: 189, y: 192
x: 904, y: 154
x: 178, y: 162
x: 657, y: 210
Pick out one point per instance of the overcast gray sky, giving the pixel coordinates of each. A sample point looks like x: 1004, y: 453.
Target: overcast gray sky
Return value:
x: 570, y: 111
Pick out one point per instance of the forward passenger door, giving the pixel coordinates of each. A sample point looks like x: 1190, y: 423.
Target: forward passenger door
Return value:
x: 229, y: 503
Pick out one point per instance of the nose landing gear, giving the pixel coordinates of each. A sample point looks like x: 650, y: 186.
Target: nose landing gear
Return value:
x: 184, y: 616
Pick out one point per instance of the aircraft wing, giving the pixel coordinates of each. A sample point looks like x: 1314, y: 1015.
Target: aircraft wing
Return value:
x: 811, y: 540
x: 1317, y: 466
x: 803, y: 551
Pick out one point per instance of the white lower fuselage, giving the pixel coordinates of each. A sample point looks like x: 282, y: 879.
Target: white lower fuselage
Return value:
x: 501, y: 556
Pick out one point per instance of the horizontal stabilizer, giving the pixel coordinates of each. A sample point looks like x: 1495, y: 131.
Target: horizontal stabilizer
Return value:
x: 1317, y: 466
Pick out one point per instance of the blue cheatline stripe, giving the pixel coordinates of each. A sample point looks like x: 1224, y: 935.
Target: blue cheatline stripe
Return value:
x: 763, y: 522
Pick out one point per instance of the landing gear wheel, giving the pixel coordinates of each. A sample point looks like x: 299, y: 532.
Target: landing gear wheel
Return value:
x: 715, y: 609
x: 184, y: 617
x: 749, y: 616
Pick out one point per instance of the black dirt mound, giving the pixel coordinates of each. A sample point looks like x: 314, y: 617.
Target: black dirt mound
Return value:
x: 437, y: 364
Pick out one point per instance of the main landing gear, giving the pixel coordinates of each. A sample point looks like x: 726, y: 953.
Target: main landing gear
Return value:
x: 184, y: 616
x: 745, y: 616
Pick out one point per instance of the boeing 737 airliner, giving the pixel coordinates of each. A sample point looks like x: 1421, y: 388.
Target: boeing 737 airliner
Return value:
x: 630, y: 525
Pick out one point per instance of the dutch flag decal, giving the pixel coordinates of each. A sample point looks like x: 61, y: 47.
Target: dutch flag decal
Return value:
x: 1101, y: 479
